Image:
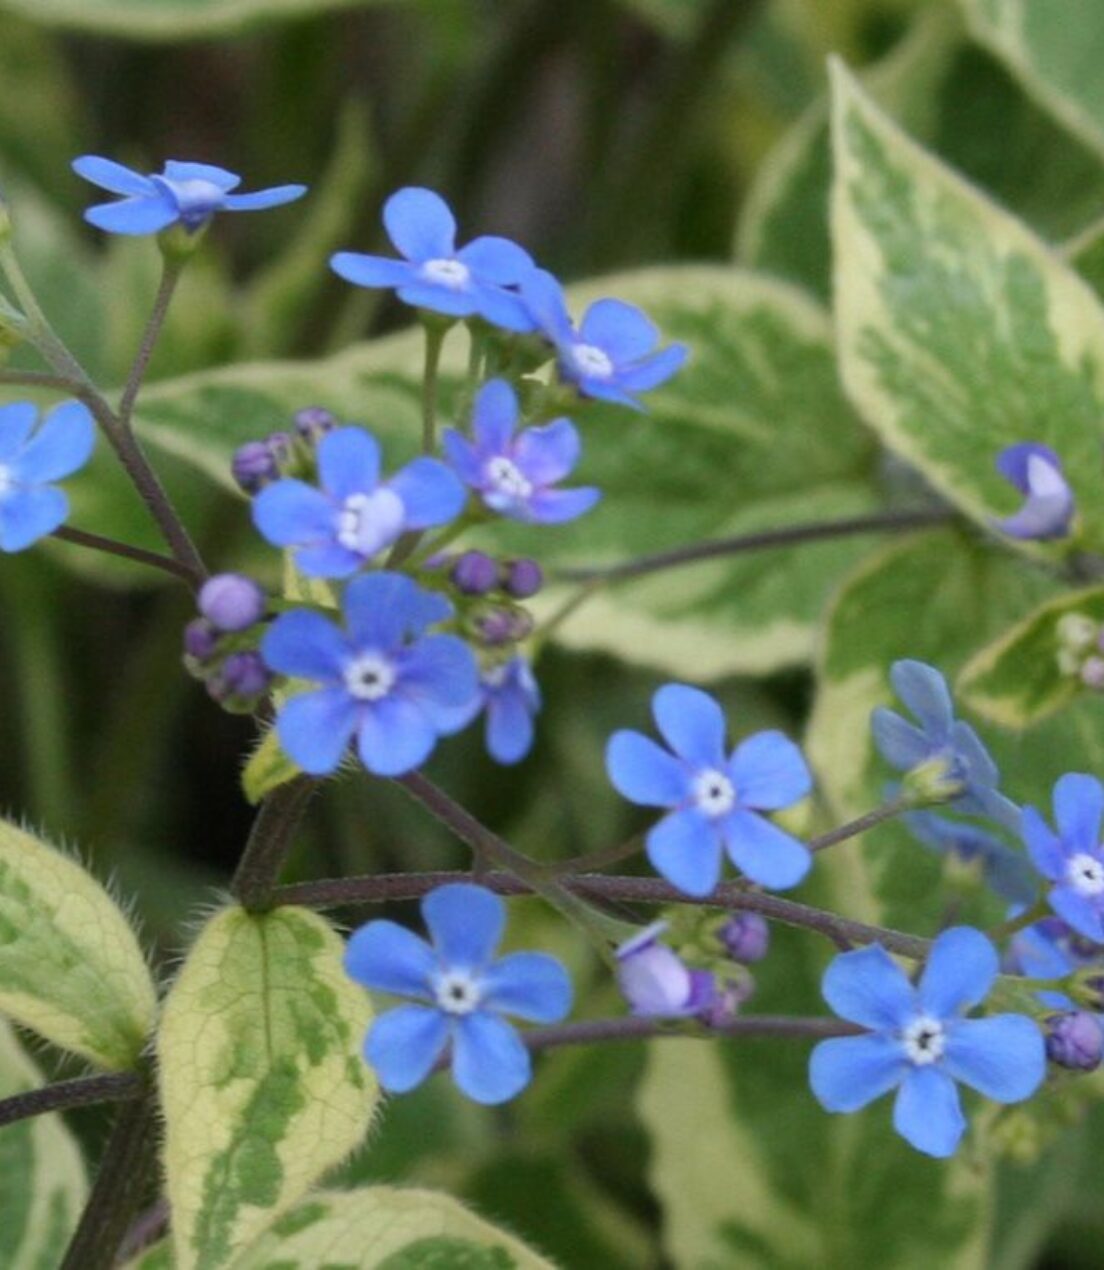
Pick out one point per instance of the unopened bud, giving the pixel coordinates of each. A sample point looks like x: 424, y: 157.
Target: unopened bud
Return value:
x: 281, y: 445
x: 313, y: 422
x: 200, y: 639
x: 1092, y: 672
x: 1069, y: 662
x: 241, y: 682
x: 474, y: 573
x: 253, y: 466
x: 1077, y: 632
x: 653, y: 979
x: 934, y: 781
x: 498, y: 626
x: 745, y: 937
x: 1075, y: 1039
x: 729, y: 994
x: 522, y: 578
x: 232, y: 601
x: 1087, y: 988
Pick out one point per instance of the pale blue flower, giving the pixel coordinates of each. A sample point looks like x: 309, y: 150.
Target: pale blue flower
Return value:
x: 1048, y: 509
x: 31, y: 459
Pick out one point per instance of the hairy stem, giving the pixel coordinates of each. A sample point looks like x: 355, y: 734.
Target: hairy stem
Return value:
x: 591, y: 1031
x: 38, y: 379
x: 111, y: 547
x: 82, y: 1091
x: 269, y: 842
x: 855, y: 827
x: 170, y: 276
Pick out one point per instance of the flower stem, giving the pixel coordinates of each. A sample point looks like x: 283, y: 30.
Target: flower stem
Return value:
x: 1006, y: 929
x: 83, y: 1091
x: 38, y: 379
x: 111, y: 547
x: 632, y: 1028
x: 268, y: 844
x: 170, y: 276
x: 855, y: 827
x: 598, y: 860
x: 434, y: 340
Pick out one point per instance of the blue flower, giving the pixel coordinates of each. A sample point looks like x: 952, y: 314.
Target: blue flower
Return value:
x: 614, y: 352
x: 511, y: 698
x: 968, y: 774
x: 1072, y: 859
x: 462, y: 991
x: 336, y: 530
x: 384, y: 680
x: 185, y: 193
x: 1048, y: 509
x: 514, y: 474
x: 434, y: 275
x: 919, y: 1043
x: 1003, y: 870
x: 30, y: 505
x: 1049, y: 949
x: 715, y: 800
x: 657, y: 983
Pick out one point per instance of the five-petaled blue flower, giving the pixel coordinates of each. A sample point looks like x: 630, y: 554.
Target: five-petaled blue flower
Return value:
x: 919, y: 1043
x: 1048, y: 509
x: 715, y: 800
x: 30, y: 506
x: 469, y: 282
x: 1073, y: 858
x: 336, y: 530
x: 513, y: 474
x: 967, y: 772
x: 1006, y: 872
x: 509, y: 694
x: 185, y: 193
x: 462, y: 992
x: 385, y: 681
x: 613, y: 354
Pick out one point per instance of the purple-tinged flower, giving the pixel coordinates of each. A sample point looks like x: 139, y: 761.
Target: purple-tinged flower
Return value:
x: 188, y: 194
x: 1072, y: 859
x: 253, y: 466
x: 232, y: 601
x: 498, y: 625
x: 474, y: 573
x: 613, y: 354
x: 522, y: 578
x: 745, y: 937
x: 461, y: 990
x: 241, y: 681
x: 200, y: 640
x: 382, y: 679
x: 656, y: 982
x: 31, y: 459
x: 514, y: 474
x: 1048, y: 509
x: 715, y: 801
x: 1075, y: 1039
x: 1006, y: 872
x: 948, y: 752
x: 920, y: 1044
x: 334, y: 531
x: 313, y: 422
x: 433, y: 274
x: 509, y: 695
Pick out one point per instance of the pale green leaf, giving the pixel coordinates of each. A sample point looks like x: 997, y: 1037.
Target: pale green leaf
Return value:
x: 262, y: 1084
x: 42, y: 1182
x: 70, y: 966
x: 960, y: 332
x: 267, y: 768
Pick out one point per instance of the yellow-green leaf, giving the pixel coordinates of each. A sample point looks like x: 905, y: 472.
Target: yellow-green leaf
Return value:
x: 267, y: 768
x: 262, y: 1084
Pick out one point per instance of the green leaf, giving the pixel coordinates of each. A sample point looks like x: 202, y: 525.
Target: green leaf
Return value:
x: 1055, y: 47
x: 960, y: 332
x: 262, y: 1083
x: 268, y: 768
x: 42, y: 1183
x: 70, y: 966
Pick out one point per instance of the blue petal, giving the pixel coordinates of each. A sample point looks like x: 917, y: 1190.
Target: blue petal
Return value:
x: 466, y: 922
x: 389, y: 958
x: 509, y: 726
x: 547, y: 454
x: 497, y: 260
x: 1043, y: 845
x: 306, y: 645
x: 685, y: 848
x: 978, y: 761
x: 654, y: 370
x: 394, y: 736
x: 927, y: 1113
x: 439, y: 670
x: 1012, y: 462
x: 503, y: 309
x: 494, y: 415
x: 869, y: 988
x: 16, y: 423
x: 1040, y: 518
x: 61, y: 445
x: 902, y: 745
x: 437, y: 298
x: 602, y: 389
x: 1039, y: 956
x: 544, y: 298
x: 959, y: 972
x: 692, y: 724
x: 769, y: 772
x: 348, y: 462
x: 328, y: 560
x: 644, y: 772
x: 372, y: 271
x: 462, y: 457
x: 259, y: 200
x: 148, y: 214
x: 420, y: 224
x: 404, y: 1044
x: 1075, y: 910
x: 490, y: 1064
x: 763, y: 852
x: 381, y: 609
x: 315, y: 729
x: 924, y: 690
x: 1078, y: 809
x: 531, y: 985
x: 175, y: 170
x: 621, y: 329
x: 557, y: 506
x: 431, y: 493
x: 30, y: 514
x: 1002, y: 1057
x: 111, y: 176
x: 290, y: 513
x: 848, y: 1072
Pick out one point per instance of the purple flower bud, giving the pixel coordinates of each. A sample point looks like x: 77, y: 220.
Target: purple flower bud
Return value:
x: 253, y: 466
x: 313, y: 422
x: 746, y: 937
x: 281, y: 445
x: 498, y: 626
x: 200, y: 639
x: 475, y: 573
x: 653, y: 979
x: 1075, y: 1040
x: 242, y: 679
x: 1092, y: 672
x: 523, y: 578
x: 729, y: 994
x: 231, y: 601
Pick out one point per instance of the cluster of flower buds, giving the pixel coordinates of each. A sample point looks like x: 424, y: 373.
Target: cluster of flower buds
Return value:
x: 220, y: 645
x: 1075, y: 1039
x: 1081, y: 649
x: 476, y: 573
x: 288, y: 453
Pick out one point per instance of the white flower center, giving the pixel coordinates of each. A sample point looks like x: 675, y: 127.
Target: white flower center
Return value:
x: 367, y: 523
x: 369, y: 677
x: 7, y: 480
x: 1086, y: 875
x: 714, y: 793
x: 592, y: 361
x: 924, y: 1040
x: 457, y: 992
x: 447, y: 273
x: 506, y: 478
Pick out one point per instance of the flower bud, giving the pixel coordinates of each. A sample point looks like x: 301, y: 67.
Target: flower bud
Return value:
x: 936, y: 780
x: 231, y: 601
x: 200, y: 639
x: 522, y: 578
x: 1075, y: 1039
x: 281, y: 446
x: 241, y: 681
x: 1092, y: 672
x: 313, y: 422
x: 745, y: 936
x: 497, y: 626
x: 474, y: 573
x: 729, y: 994
x: 1077, y: 632
x: 653, y: 979
x: 253, y: 466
